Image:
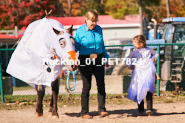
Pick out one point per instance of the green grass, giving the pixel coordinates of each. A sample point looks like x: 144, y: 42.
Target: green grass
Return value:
x: 75, y: 100
x: 23, y: 88
x: 62, y: 81
x: 169, y: 101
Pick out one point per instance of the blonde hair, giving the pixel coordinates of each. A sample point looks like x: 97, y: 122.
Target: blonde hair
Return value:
x: 92, y: 15
x: 140, y: 39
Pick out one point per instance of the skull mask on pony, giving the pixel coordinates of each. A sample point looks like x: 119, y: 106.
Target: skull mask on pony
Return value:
x: 43, y: 39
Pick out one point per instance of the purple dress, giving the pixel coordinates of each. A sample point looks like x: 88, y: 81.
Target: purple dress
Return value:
x: 143, y: 75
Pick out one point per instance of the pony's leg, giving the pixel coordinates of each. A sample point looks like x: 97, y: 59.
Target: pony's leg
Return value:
x: 55, y: 91
x: 40, y: 94
x: 51, y: 105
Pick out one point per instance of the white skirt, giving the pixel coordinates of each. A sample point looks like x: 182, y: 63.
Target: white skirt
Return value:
x: 142, y: 81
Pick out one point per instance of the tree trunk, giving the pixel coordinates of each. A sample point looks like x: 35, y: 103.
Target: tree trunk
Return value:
x: 101, y: 2
x: 70, y: 8
x: 168, y: 8
x: 61, y: 10
x: 141, y: 16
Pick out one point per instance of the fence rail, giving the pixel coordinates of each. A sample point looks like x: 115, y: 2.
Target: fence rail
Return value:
x: 120, y: 81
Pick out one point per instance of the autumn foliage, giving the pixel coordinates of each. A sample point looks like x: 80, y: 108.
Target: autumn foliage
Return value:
x: 23, y: 12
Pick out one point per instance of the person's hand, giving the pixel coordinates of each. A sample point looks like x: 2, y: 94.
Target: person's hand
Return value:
x: 72, y: 67
x: 107, y: 65
x: 132, y: 67
x: 153, y: 60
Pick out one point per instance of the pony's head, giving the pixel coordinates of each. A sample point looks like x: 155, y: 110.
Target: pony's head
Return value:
x: 58, y: 39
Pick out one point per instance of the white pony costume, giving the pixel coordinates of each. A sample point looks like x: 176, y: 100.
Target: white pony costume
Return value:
x: 40, y: 42
x: 143, y: 75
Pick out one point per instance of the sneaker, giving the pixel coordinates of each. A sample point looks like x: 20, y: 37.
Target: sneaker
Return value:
x: 149, y: 112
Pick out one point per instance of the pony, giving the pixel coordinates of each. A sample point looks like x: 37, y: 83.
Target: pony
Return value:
x: 43, y: 39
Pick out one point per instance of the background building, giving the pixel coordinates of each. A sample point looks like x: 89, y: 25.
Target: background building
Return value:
x: 112, y: 28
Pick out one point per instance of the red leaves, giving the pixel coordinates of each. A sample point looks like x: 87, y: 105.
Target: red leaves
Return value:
x: 39, y: 6
x: 52, y: 6
x: 44, y: 2
x: 29, y: 4
x: 41, y: 14
x: 22, y: 4
x: 13, y: 19
x: 37, y: 1
x: 23, y: 13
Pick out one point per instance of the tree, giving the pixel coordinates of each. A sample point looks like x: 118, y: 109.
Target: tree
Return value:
x: 93, y: 4
x: 72, y: 7
x: 22, y: 13
x: 177, y: 9
x: 168, y: 8
x: 7, y: 8
x: 36, y: 10
x: 120, y: 8
x: 141, y: 16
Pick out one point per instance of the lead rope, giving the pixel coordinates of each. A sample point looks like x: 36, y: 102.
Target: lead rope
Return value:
x: 68, y: 74
x: 16, y: 43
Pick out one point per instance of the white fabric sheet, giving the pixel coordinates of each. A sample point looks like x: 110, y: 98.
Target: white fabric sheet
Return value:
x: 39, y: 41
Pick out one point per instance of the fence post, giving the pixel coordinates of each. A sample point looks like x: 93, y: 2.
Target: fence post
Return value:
x: 16, y: 31
x: 158, y: 70
x: 1, y: 84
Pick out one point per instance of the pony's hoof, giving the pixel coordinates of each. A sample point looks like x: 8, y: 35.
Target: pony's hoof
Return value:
x: 55, y: 116
x: 38, y: 115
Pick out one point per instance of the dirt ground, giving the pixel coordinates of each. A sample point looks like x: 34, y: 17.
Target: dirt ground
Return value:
x: 119, y: 113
